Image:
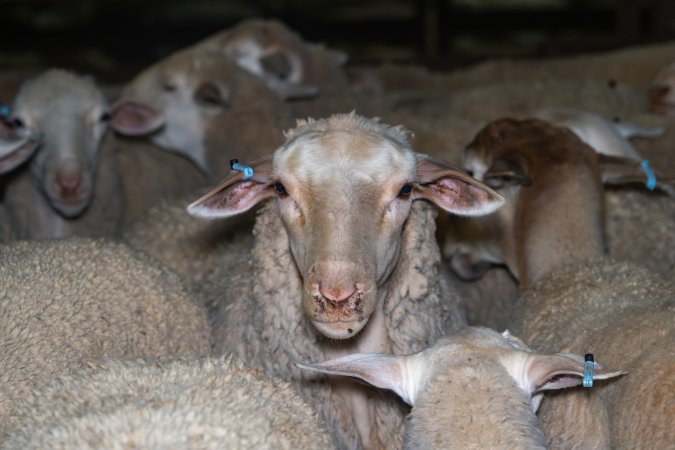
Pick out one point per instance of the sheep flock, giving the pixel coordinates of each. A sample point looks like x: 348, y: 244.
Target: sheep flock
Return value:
x: 213, y: 255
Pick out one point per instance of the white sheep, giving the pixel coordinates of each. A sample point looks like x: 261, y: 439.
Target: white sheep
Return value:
x: 476, y: 389
x: 204, y: 107
x: 59, y: 118
x: 185, y: 404
x: 343, y: 260
x: 65, y: 302
x: 550, y: 236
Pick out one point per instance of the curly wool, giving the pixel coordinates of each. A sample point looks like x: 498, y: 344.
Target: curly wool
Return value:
x: 260, y: 318
x: 65, y: 302
x: 195, y: 249
x: 182, y: 404
x: 623, y: 313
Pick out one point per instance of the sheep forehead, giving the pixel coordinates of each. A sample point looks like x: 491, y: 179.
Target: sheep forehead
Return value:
x: 347, y: 156
x: 61, y: 92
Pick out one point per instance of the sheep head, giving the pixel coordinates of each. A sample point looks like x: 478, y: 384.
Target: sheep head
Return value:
x: 552, y: 183
x: 344, y: 188
x: 65, y: 115
x: 661, y: 92
x: 192, y: 101
x: 274, y: 53
x: 467, y: 383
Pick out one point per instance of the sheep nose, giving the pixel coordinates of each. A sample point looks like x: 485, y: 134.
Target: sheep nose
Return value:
x: 68, y: 184
x: 337, y: 295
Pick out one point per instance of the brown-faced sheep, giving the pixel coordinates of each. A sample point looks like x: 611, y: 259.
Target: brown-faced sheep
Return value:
x: 551, y: 238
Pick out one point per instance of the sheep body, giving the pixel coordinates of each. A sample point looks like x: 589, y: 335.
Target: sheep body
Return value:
x: 182, y: 404
x: 626, y: 314
x: 65, y: 302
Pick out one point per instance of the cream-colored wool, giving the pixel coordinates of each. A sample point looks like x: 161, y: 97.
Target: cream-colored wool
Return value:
x: 624, y: 314
x: 66, y: 302
x: 184, y: 404
x: 194, y: 249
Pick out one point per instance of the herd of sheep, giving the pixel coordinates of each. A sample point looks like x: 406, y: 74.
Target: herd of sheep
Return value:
x: 532, y: 197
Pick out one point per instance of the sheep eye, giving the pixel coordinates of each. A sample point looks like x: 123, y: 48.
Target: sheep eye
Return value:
x: 18, y: 123
x: 280, y: 188
x: 405, y: 190
x: 105, y: 117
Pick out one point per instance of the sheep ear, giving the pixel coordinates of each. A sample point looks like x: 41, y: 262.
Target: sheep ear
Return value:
x: 618, y: 171
x: 561, y: 370
x: 236, y: 193
x: 134, y: 119
x: 505, y: 172
x: 452, y: 189
x: 382, y: 371
x: 15, y: 148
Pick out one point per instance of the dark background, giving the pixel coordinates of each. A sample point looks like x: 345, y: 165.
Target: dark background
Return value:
x: 113, y: 39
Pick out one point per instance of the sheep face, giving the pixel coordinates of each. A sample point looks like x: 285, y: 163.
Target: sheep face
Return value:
x: 661, y: 93
x: 274, y: 53
x: 344, y: 188
x: 68, y: 116
x: 183, y: 100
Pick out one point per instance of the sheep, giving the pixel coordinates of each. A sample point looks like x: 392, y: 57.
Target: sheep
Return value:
x: 292, y: 68
x: 634, y: 67
x: 194, y: 249
x: 475, y: 389
x: 342, y: 259
x: 186, y: 404
x: 660, y: 92
x: 59, y: 118
x: 573, y: 297
x: 204, y: 107
x: 65, y: 302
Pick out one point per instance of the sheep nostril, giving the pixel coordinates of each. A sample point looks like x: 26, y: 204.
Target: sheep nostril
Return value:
x: 337, y: 295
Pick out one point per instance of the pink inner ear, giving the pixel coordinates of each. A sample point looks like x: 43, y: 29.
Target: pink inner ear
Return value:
x: 135, y: 119
x: 561, y: 381
x: 457, y: 196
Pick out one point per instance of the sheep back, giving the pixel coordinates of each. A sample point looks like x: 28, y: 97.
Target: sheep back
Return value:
x: 181, y: 404
x: 64, y: 302
x: 624, y: 314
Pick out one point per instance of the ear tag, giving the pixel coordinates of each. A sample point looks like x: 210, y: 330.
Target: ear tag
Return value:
x: 651, y: 178
x: 246, y: 170
x: 589, y: 367
x: 5, y: 111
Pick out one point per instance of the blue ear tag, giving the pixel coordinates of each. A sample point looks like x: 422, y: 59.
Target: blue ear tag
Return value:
x: 246, y: 170
x: 651, y: 178
x: 589, y: 367
x: 5, y: 111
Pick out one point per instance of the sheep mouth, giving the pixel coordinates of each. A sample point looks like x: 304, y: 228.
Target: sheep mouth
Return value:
x: 340, y: 329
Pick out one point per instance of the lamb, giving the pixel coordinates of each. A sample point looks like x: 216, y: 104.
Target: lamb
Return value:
x: 292, y: 68
x: 66, y: 302
x: 204, y: 107
x: 185, y: 404
x: 475, y: 389
x: 574, y: 298
x: 59, y: 118
x: 342, y: 260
